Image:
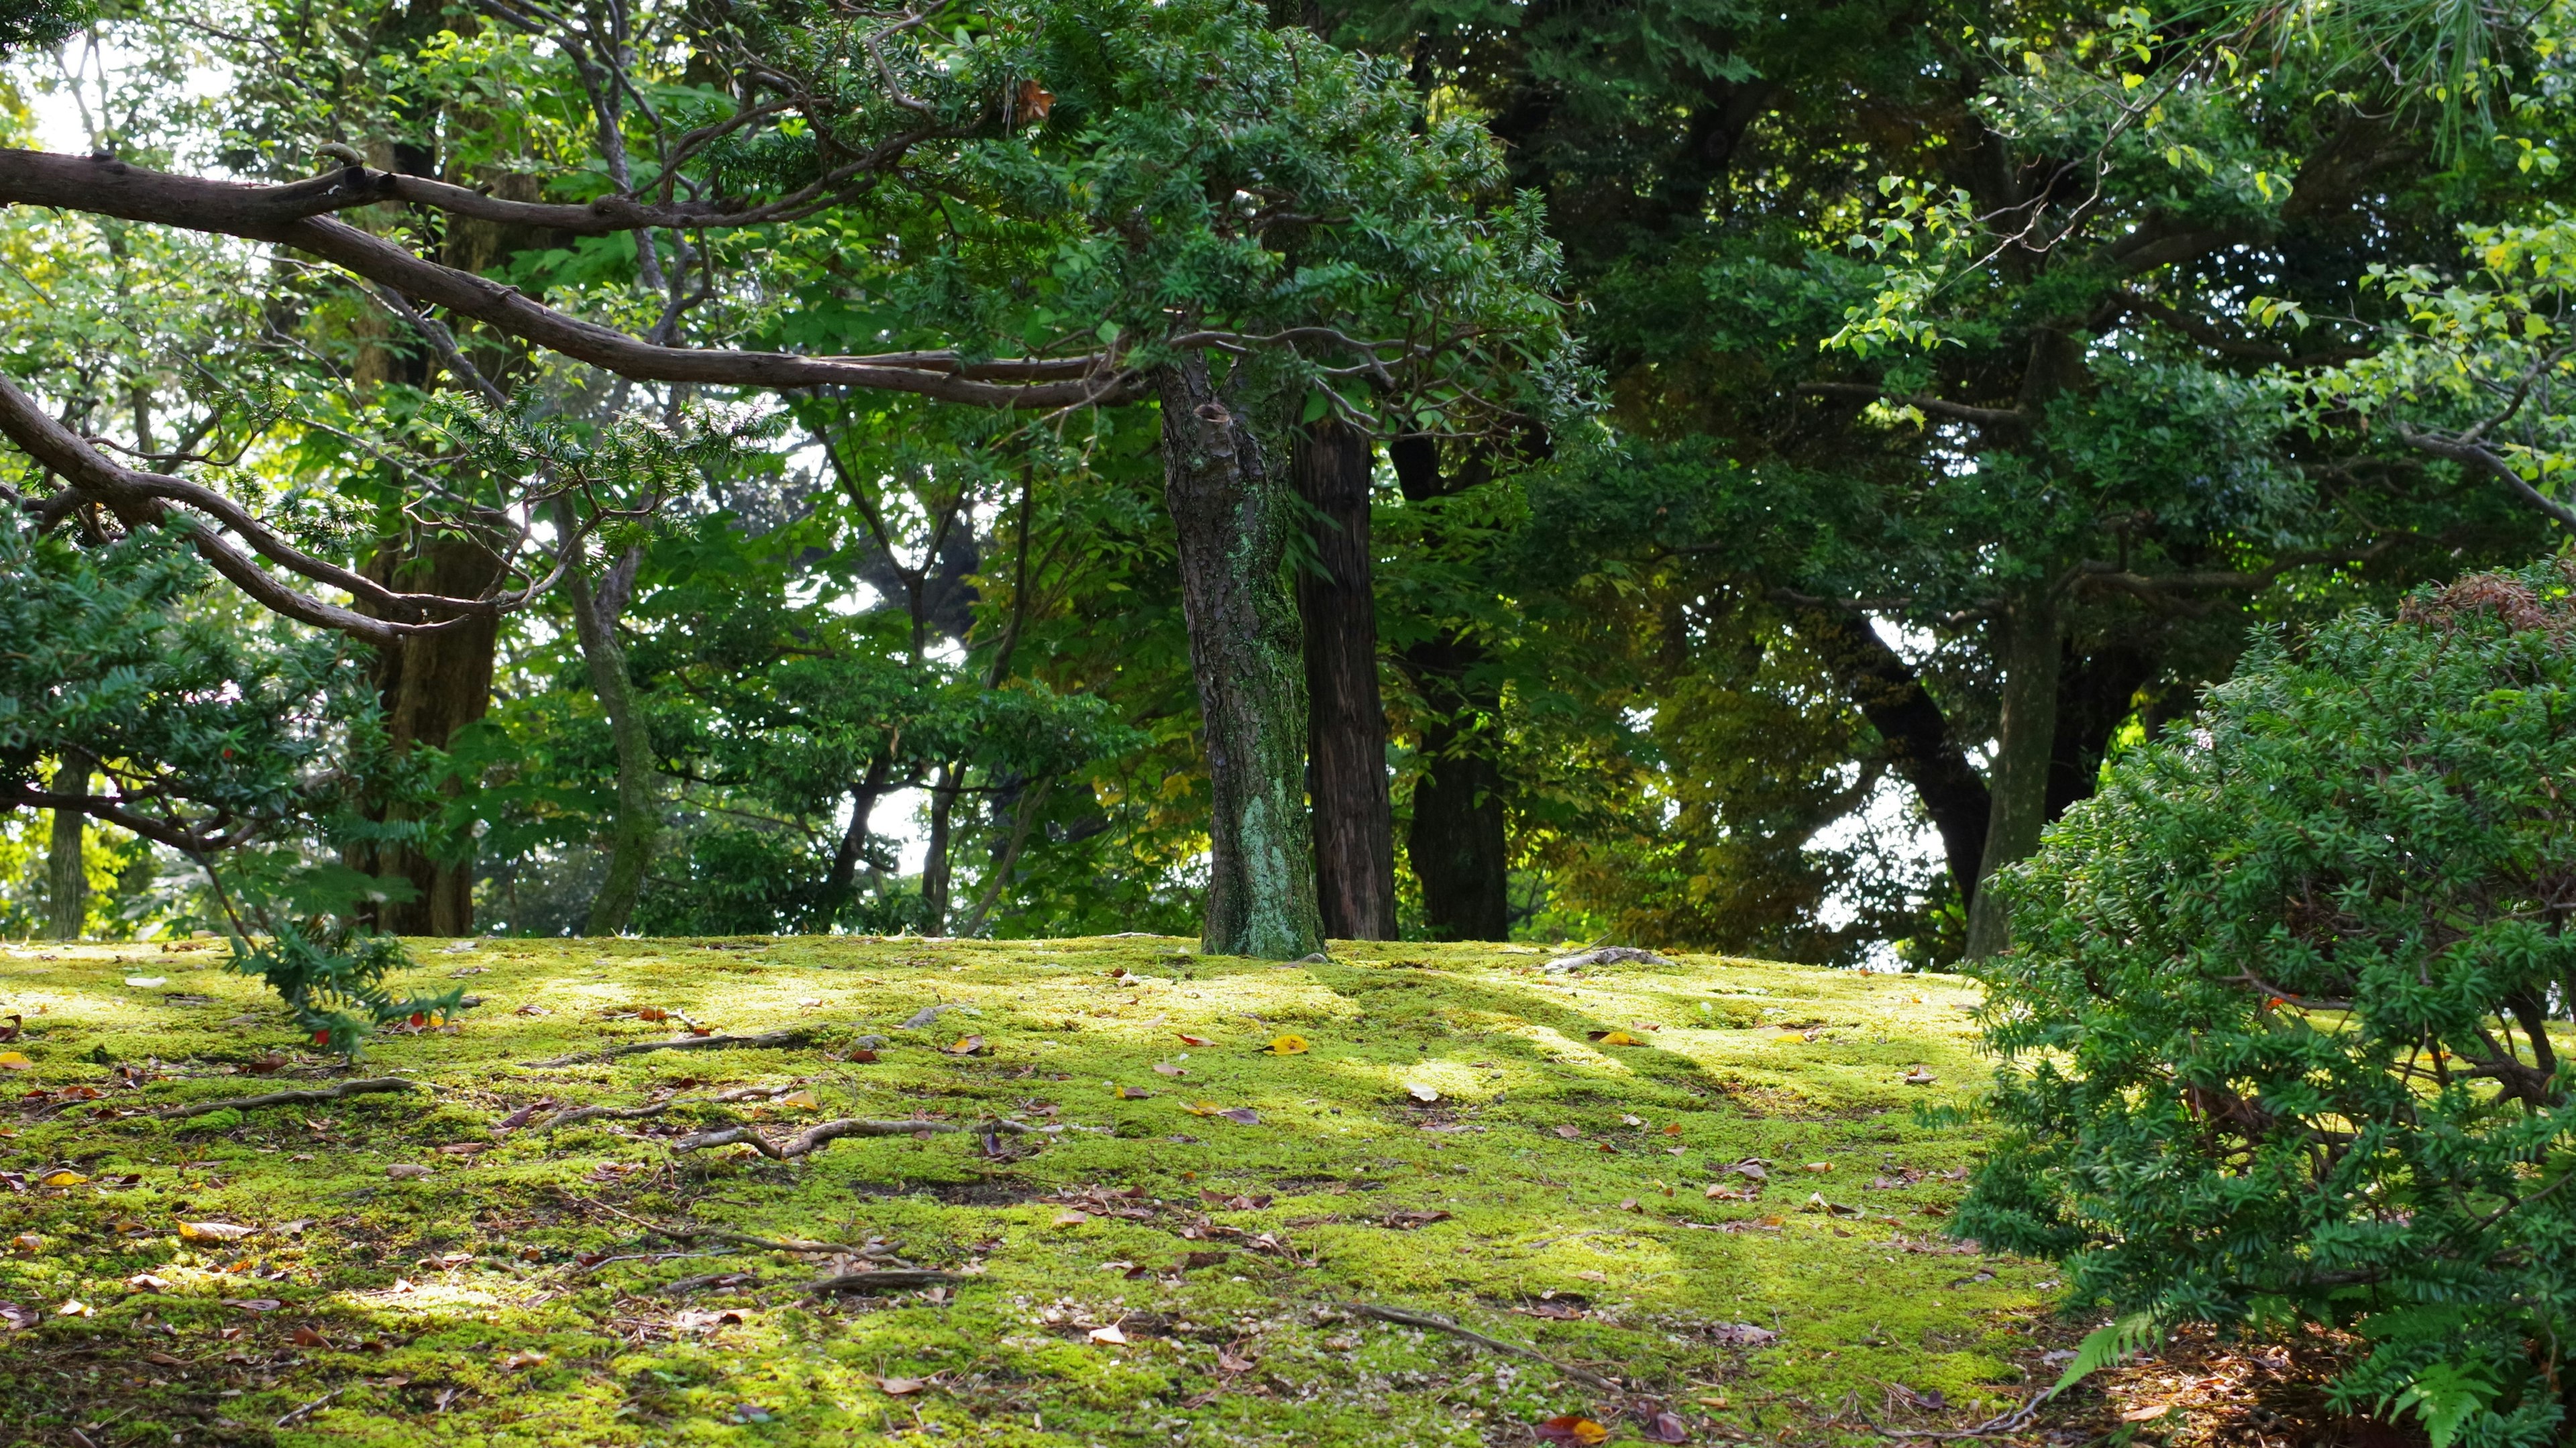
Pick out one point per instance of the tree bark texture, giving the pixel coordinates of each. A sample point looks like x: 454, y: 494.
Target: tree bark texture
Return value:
x: 1457, y: 844
x: 66, y: 867
x: 1233, y: 520
x: 638, y: 821
x: 1891, y: 697
x: 1345, y: 719
x: 2033, y: 655
x: 432, y: 685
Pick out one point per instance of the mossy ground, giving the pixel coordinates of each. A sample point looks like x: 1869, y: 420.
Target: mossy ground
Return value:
x: 465, y: 1306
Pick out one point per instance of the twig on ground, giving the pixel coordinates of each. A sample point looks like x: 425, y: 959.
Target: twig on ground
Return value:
x: 814, y: 1136
x: 687, y: 1231
x: 287, y: 1098
x: 642, y: 1257
x: 638, y: 1113
x: 882, y: 1281
x: 294, y: 1413
x: 792, y: 1036
x: 1436, y: 1323
x: 711, y: 1279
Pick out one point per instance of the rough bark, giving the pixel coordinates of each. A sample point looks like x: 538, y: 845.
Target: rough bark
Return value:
x: 432, y: 685
x: 638, y: 821
x: 2032, y: 655
x: 1232, y: 518
x: 1456, y: 844
x: 66, y: 869
x: 1920, y: 748
x: 1345, y: 719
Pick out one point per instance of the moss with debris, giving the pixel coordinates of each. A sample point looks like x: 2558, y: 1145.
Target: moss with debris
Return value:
x: 1160, y: 1221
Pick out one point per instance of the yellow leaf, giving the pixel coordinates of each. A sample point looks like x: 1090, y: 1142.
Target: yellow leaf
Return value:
x: 64, y: 1179
x: 1619, y: 1038
x: 12, y: 1061
x: 1288, y: 1045
x: 1201, y: 1108
x: 802, y: 1100
x: 213, y: 1232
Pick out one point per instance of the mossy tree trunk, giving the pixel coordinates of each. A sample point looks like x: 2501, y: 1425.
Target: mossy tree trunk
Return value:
x: 66, y: 867
x: 638, y: 822
x: 1346, y: 720
x: 432, y: 685
x: 1234, y: 518
x: 2032, y: 654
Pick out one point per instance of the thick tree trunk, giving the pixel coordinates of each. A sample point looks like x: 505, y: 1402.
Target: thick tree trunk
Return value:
x: 638, y: 821
x: 1345, y: 720
x: 2096, y: 694
x: 1457, y: 844
x: 2032, y: 655
x: 66, y: 868
x: 1891, y: 697
x: 431, y: 686
x: 1232, y: 518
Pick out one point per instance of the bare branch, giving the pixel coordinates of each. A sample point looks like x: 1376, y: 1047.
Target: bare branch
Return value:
x: 1982, y: 416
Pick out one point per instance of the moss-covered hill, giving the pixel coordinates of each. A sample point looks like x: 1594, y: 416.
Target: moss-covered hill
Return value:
x: 1156, y: 1227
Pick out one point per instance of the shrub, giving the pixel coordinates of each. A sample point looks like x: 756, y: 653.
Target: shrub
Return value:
x: 2275, y: 1030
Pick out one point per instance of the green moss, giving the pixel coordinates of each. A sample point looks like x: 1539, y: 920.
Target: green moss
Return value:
x: 425, y: 1301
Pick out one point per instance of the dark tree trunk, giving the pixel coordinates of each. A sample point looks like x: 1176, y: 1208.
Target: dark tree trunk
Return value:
x: 1233, y: 519
x: 638, y: 822
x: 66, y: 864
x: 1345, y: 720
x: 2032, y: 653
x: 432, y: 685
x: 1891, y: 697
x: 1457, y: 843
x: 936, y: 865
x: 854, y: 840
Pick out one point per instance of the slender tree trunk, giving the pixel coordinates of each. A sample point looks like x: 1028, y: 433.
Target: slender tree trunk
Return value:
x: 1345, y: 720
x: 66, y: 869
x: 2032, y: 656
x: 854, y: 840
x: 1456, y: 845
x: 936, y: 871
x: 1032, y: 800
x: 638, y: 822
x: 433, y: 685
x: 1232, y: 518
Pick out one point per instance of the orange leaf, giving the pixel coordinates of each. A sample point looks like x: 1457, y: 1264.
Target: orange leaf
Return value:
x: 1189, y: 1040
x: 1574, y: 1429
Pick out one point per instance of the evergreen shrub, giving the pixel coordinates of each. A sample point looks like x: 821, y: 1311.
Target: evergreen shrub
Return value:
x: 2276, y: 1031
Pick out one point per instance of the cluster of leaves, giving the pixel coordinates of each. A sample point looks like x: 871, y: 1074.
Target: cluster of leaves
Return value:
x: 242, y: 745
x: 2277, y: 1026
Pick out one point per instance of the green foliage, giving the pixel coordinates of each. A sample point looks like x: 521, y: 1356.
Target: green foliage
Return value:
x: 2277, y: 1029
x: 28, y: 24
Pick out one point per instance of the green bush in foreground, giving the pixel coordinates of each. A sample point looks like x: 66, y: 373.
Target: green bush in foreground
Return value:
x: 2275, y: 1030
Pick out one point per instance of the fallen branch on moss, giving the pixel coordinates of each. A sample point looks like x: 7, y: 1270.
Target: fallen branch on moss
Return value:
x: 287, y: 1098
x: 792, y: 1036
x: 637, y: 1113
x: 1436, y: 1323
x: 829, y: 1131
x: 888, y: 1280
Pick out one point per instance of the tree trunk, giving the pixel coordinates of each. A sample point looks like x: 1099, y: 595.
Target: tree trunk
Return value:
x: 936, y: 868
x: 1232, y: 518
x: 1023, y: 819
x: 431, y: 686
x: 1891, y: 697
x: 638, y: 821
x: 2032, y: 655
x: 2096, y: 694
x: 1457, y: 844
x: 854, y: 841
x: 1345, y: 720
x: 66, y: 870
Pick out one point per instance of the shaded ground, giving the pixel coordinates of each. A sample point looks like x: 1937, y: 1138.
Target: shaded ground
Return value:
x: 1140, y: 1266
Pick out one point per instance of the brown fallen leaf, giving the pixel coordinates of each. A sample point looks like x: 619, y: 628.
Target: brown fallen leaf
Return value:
x: 1663, y: 1427
x: 1035, y: 100
x: 1166, y: 1068
x: 1241, y: 1115
x: 1591, y: 1276
x: 517, y: 1360
x: 9, y: 1032
x: 1569, y: 1132
x: 464, y: 1148
x: 1189, y: 1040
x: 1819, y: 1166
x: 1571, y: 1428
x: 253, y: 1304
x: 898, y: 1387
x: 27, y: 1242
x: 406, y: 1170
x: 1919, y: 1077
x: 306, y: 1337
x: 2146, y: 1414
x: 16, y: 1318
x: 652, y: 1013
x: 146, y: 1282
x: 269, y: 1064
x: 1133, y: 1093
x: 1227, y: 1362
x: 966, y: 1046
x: 1070, y: 1218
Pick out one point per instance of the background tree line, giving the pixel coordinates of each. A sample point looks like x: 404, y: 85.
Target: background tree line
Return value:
x: 1447, y: 469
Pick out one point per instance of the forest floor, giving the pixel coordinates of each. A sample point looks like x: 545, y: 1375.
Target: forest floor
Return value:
x: 1150, y: 1216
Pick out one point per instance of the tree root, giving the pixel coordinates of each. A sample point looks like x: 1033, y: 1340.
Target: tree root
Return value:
x: 287, y: 1098
x: 829, y: 1131
x: 882, y: 1281
x: 1436, y: 1323
x: 792, y: 1036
